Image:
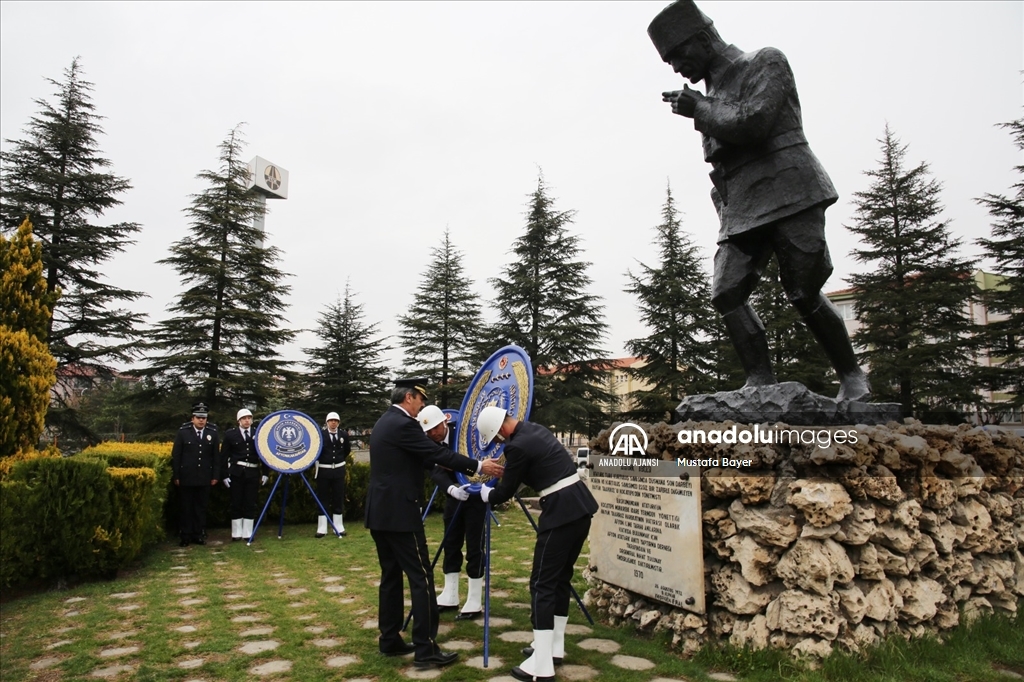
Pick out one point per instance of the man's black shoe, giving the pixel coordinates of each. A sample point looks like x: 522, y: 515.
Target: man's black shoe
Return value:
x: 343, y: 534
x: 438, y: 660
x: 404, y: 649
x: 183, y: 543
x: 200, y: 541
x: 319, y: 535
x: 521, y: 674
x: 468, y: 615
x: 442, y: 608
x: 528, y: 651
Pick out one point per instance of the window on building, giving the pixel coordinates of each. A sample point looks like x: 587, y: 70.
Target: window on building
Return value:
x: 846, y: 309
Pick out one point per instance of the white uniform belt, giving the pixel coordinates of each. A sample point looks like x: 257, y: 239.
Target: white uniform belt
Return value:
x: 564, y: 483
x: 331, y: 466
x: 251, y: 465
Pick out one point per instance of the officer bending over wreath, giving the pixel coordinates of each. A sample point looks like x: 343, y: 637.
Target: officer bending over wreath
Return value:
x: 535, y: 457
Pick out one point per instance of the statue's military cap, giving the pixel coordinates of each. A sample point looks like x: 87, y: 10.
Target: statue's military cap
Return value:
x: 676, y: 24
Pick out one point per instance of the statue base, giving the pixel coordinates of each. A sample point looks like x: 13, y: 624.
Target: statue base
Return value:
x: 788, y: 402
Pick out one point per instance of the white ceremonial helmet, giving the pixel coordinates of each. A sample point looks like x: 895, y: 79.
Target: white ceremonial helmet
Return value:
x: 489, y: 421
x: 430, y: 416
x: 242, y: 413
x: 334, y: 416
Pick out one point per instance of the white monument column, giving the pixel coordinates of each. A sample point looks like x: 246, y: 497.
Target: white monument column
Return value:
x: 269, y: 181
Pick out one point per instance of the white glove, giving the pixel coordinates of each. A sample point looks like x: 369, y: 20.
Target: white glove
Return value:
x: 485, y: 492
x: 227, y: 482
x: 263, y: 480
x: 460, y: 494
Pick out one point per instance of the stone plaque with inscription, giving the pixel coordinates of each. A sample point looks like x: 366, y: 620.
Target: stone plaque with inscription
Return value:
x: 647, y: 536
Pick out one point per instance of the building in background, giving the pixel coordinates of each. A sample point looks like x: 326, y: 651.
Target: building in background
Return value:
x: 846, y: 301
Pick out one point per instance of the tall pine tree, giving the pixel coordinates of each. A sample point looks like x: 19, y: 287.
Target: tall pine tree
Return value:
x: 915, y: 332
x: 1004, y: 333
x: 346, y: 374
x: 57, y: 176
x: 221, y: 345
x: 442, y: 322
x: 543, y: 305
x: 674, y: 299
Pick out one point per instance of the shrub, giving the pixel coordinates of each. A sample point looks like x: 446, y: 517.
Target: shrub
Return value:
x: 77, y: 517
x: 7, y: 463
x: 64, y: 518
x: 15, y: 544
x: 154, y: 456
x: 136, y: 518
x: 108, y: 448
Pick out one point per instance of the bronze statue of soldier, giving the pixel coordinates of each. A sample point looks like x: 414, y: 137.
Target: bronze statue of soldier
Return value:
x: 770, y: 190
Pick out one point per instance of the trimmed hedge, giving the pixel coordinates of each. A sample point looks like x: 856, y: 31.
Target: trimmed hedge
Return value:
x: 79, y: 517
x: 154, y: 457
x: 113, y: 448
x: 94, y: 513
x: 7, y: 463
x: 62, y: 526
x: 15, y: 554
x: 136, y: 517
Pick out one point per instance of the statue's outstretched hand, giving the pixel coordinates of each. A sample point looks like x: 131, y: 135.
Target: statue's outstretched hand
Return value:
x: 684, y: 101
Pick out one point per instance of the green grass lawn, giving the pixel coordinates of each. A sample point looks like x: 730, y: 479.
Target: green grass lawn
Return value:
x: 316, y: 600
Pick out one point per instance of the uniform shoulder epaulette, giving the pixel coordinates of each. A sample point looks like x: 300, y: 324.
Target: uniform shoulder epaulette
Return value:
x: 185, y: 425
x: 211, y: 426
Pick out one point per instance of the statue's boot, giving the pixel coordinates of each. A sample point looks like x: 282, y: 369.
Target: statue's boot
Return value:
x: 751, y: 343
x: 828, y: 328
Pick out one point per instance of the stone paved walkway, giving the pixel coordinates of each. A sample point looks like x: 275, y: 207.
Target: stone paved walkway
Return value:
x: 206, y: 600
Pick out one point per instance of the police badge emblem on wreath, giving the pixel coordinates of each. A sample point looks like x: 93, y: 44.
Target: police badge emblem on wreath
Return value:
x: 288, y: 441
x: 505, y: 380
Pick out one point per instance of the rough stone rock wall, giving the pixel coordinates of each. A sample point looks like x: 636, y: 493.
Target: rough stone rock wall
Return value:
x: 813, y: 548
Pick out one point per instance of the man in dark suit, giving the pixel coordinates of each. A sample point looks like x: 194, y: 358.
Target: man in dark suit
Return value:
x: 770, y: 190
x: 243, y: 475
x: 330, y: 475
x: 399, y: 455
x: 535, y: 457
x: 195, y: 466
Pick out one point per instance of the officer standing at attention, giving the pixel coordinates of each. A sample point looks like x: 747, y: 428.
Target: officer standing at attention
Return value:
x: 535, y: 457
x: 244, y: 473
x: 195, y: 467
x: 330, y: 475
x: 464, y: 516
x: 399, y: 455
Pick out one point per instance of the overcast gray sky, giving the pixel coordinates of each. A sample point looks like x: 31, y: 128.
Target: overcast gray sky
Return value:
x: 396, y: 120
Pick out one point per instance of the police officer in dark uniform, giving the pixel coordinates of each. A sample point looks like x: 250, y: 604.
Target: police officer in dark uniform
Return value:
x: 244, y: 473
x: 399, y: 455
x: 330, y: 475
x: 464, y: 516
x: 535, y: 457
x: 195, y: 466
